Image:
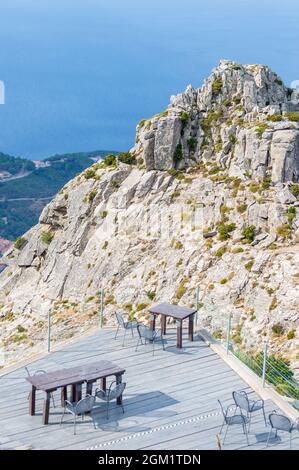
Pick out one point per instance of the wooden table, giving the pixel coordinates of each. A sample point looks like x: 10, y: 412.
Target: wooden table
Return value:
x: 179, y: 314
x: 75, y: 377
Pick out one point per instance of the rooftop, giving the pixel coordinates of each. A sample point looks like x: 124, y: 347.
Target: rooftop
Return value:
x: 170, y: 401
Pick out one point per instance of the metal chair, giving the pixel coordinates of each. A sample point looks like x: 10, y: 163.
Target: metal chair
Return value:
x: 280, y: 422
x: 111, y: 394
x: 125, y: 325
x: 147, y: 334
x: 39, y: 372
x: 233, y: 420
x: 250, y: 406
x: 79, y: 408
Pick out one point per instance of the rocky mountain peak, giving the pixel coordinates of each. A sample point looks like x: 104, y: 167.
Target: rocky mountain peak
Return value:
x: 243, y: 119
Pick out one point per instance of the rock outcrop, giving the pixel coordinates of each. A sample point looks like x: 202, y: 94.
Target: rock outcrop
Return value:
x: 209, y: 200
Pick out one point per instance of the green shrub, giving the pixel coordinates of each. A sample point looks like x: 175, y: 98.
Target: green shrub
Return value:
x: 178, y: 153
x: 278, y: 82
x: 151, y: 295
x: 295, y: 189
x: 109, y: 160
x: 274, y: 118
x: 89, y: 173
x: 220, y: 252
x: 277, y: 329
x: 47, y: 237
x: 226, y: 102
x: 225, y: 230
x: 266, y: 183
x: 176, y: 173
x: 274, y: 304
x: 236, y: 67
x: 142, y: 122
x: 217, y: 86
x: 218, y: 334
x: 284, y: 231
x: 141, y: 306
x: 291, y: 334
x: 181, y: 289
x: 91, y: 196
x: 254, y: 187
x: 127, y: 157
x: 293, y: 117
x: 20, y: 242
x: 184, y: 120
x: 238, y: 249
x: 260, y: 129
x: 192, y: 143
x: 214, y: 170
x: 241, y: 208
x: 233, y: 139
x: 21, y: 329
x: 291, y: 214
x: 104, y: 214
x: 248, y: 233
x: 223, y: 281
x: 249, y: 265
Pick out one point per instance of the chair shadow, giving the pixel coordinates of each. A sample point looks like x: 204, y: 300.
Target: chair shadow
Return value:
x: 155, y: 405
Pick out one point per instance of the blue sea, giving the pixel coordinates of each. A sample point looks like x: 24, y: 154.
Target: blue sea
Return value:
x: 80, y: 74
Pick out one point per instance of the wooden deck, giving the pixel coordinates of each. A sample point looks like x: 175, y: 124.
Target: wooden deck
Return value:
x: 170, y: 401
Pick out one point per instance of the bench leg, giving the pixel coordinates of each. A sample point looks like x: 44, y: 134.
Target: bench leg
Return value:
x: 104, y: 384
x: 153, y: 323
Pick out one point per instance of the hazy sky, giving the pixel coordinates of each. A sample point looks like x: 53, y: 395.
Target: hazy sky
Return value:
x: 80, y: 74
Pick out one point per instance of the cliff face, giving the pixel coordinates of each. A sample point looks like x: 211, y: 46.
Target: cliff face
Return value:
x: 211, y: 202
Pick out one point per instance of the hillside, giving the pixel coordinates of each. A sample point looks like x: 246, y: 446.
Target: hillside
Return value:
x: 12, y: 166
x: 207, y: 197
x: 22, y: 199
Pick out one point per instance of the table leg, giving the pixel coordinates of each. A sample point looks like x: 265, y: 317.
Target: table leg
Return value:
x: 89, y: 388
x: 78, y: 392
x: 191, y: 327
x: 32, y: 401
x: 153, y: 323
x: 179, y: 334
x: 73, y: 393
x: 163, y: 324
x: 46, y: 408
x: 63, y: 396
x: 119, y: 400
x: 104, y: 384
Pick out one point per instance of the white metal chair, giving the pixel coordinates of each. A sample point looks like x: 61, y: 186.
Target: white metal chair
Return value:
x: 250, y: 406
x: 112, y: 393
x: 79, y: 408
x: 235, y: 419
x: 147, y: 334
x: 279, y: 422
x: 124, y: 325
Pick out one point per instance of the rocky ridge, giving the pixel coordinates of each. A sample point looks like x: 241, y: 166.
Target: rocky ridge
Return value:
x: 207, y: 197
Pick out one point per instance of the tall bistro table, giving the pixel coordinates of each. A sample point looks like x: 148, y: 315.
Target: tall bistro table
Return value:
x: 179, y: 314
x: 74, y: 377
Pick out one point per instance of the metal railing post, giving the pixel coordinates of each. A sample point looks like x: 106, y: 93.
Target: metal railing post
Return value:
x: 49, y: 330
x: 228, y: 333
x: 265, y: 364
x: 197, y: 304
x: 102, y: 308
